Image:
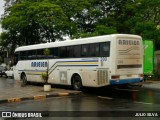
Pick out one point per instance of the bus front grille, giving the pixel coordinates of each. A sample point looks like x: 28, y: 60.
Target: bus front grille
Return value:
x: 102, y: 76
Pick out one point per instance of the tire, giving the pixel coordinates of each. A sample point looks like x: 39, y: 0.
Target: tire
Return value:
x: 77, y: 83
x: 23, y: 79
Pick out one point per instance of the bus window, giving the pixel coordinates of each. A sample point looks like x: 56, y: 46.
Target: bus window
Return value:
x: 23, y: 55
x: 62, y: 52
x: 54, y: 52
x: 94, y: 50
x: 32, y: 54
x: 70, y: 51
x: 84, y: 51
x: 40, y: 54
x: 104, y: 49
x: 77, y: 51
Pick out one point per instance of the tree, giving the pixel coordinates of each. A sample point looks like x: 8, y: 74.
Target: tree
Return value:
x: 47, y: 20
x: 146, y: 22
x: 31, y: 22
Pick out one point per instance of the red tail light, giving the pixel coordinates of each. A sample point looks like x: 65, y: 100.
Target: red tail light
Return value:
x: 115, y: 77
x: 141, y: 75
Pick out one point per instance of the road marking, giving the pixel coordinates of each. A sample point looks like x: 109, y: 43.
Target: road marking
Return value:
x: 143, y: 103
x: 125, y: 89
x: 105, y: 97
x: 133, y: 90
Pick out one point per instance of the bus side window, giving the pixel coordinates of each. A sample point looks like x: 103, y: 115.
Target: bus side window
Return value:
x: 32, y: 55
x: 77, y: 51
x: 84, y: 51
x: 50, y: 56
x: 94, y: 50
x: 23, y: 55
x: 54, y: 52
x: 70, y: 51
x: 105, y: 49
x: 40, y: 54
x: 62, y: 52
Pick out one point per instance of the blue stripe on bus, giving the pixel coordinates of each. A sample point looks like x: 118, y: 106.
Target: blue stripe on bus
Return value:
x: 54, y: 65
x: 125, y: 81
x: 83, y: 61
x: 33, y: 70
x: 73, y: 61
x: 58, y: 66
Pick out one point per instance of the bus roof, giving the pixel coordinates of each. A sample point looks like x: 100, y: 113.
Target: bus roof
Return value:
x: 75, y: 41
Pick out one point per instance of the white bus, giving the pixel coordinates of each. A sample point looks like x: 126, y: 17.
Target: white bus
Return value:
x: 93, y: 62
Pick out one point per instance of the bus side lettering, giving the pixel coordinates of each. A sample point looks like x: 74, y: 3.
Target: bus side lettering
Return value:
x: 128, y: 42
x: 38, y: 64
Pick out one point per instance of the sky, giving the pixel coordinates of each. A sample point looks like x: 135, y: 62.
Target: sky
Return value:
x: 1, y: 11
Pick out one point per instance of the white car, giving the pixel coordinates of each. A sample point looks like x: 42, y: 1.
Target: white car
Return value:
x: 9, y: 73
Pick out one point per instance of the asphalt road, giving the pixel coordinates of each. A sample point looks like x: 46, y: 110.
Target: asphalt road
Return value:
x: 89, y: 107
x: 94, y: 104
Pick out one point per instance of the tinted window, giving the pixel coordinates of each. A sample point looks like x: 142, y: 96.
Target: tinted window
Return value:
x: 84, y: 51
x: 70, y: 51
x: 94, y: 50
x: 50, y: 56
x: 104, y: 49
x: 40, y: 54
x: 62, y: 52
x: 23, y: 55
x: 54, y: 52
x: 31, y: 54
x: 77, y: 51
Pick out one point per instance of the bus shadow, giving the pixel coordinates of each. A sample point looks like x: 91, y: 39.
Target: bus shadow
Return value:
x: 130, y: 93
x: 107, y: 91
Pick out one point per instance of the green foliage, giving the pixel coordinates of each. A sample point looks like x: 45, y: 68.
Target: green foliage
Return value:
x: 31, y: 22
x: 1, y: 60
x: 46, y: 51
x: 45, y: 77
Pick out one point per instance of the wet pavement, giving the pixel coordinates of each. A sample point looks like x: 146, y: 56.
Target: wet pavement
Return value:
x: 12, y: 91
x: 92, y: 104
x: 151, y: 84
x: 86, y: 107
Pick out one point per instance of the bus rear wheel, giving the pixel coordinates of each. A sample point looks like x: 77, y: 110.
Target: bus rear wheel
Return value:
x: 23, y: 79
x: 77, y: 82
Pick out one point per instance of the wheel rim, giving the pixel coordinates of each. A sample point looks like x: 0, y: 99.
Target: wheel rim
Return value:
x: 24, y: 80
x: 77, y: 83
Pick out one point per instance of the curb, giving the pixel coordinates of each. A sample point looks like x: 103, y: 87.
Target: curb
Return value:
x: 40, y: 97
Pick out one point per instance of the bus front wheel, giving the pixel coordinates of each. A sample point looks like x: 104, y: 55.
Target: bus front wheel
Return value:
x: 77, y: 83
x: 23, y: 79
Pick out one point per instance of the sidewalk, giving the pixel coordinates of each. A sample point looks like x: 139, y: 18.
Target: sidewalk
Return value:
x: 18, y: 93
x: 151, y: 84
x: 12, y: 91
